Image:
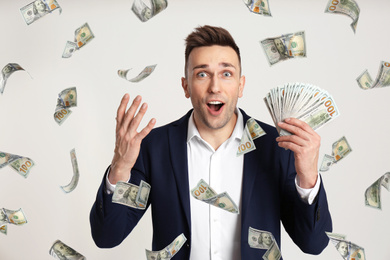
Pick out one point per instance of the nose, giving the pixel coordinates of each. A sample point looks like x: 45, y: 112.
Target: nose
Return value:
x: 215, y: 84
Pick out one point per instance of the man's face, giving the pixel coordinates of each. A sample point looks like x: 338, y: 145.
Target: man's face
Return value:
x: 214, y: 85
x: 133, y: 194
x: 343, y: 249
x: 40, y: 6
x: 266, y: 238
x: 164, y: 254
x: 279, y: 45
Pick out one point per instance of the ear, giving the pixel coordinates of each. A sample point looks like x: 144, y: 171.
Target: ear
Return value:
x: 184, y: 84
x: 241, y: 86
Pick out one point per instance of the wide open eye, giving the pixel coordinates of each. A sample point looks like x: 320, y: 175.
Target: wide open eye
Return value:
x: 227, y: 74
x: 202, y: 74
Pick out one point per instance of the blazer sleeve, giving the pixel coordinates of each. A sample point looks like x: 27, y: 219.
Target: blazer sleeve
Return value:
x: 110, y: 222
x: 306, y: 224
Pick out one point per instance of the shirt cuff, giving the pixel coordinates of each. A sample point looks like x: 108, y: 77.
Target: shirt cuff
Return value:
x: 110, y: 188
x: 308, y: 195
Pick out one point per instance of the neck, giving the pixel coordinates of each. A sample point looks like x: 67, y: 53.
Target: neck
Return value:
x: 216, y: 137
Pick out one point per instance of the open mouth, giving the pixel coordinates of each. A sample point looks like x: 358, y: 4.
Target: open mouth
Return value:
x: 215, y: 105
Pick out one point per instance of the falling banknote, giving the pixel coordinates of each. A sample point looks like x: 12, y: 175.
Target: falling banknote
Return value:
x: 205, y: 193
x: 6, y: 72
x: 63, y: 252
x: 20, y: 164
x: 66, y: 99
x: 252, y: 131
x: 288, y: 46
x: 382, y: 79
x: 131, y: 195
x: 76, y: 175
x: 347, y: 249
x: 82, y: 36
x: 37, y: 9
x: 144, y: 73
x: 169, y: 251
x: 373, y: 193
x: 15, y: 217
x: 346, y: 7
x: 258, y: 7
x: 306, y: 102
x: 144, y: 12
x: 340, y: 149
x: 264, y: 240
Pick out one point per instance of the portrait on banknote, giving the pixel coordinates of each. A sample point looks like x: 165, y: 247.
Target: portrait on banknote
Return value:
x: 129, y: 196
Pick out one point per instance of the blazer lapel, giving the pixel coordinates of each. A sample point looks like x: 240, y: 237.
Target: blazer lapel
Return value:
x: 177, y: 135
x: 249, y: 175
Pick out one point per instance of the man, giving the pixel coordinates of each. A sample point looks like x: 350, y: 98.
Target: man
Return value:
x: 203, y: 145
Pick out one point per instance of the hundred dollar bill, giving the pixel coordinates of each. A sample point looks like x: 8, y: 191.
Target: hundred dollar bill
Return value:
x: 259, y: 238
x: 382, y: 80
x: 346, y: 7
x: 246, y: 144
x: 143, y: 194
x: 70, y: 48
x: 254, y: 128
x: 67, y: 98
x: 347, y: 249
x: 273, y: 253
x: 37, y: 9
x: 76, y: 175
x: 144, y: 73
x: 251, y: 132
x: 6, y: 72
x: 258, y: 7
x: 127, y: 193
x: 169, y: 251
x: 373, y: 193
x: 292, y: 45
x: 15, y: 217
x: 205, y: 193
x: 20, y: 164
x: 340, y: 149
x: 144, y: 13
x: 82, y: 36
x: 61, y: 251
x: 327, y: 161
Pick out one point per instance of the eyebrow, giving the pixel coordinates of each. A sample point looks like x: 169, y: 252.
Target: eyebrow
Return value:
x: 222, y: 64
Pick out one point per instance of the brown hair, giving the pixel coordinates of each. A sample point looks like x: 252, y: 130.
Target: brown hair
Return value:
x: 207, y: 36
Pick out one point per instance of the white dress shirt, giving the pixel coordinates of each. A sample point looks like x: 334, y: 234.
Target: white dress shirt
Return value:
x: 216, y: 233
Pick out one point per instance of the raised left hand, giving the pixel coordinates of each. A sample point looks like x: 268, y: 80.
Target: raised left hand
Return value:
x: 305, y: 143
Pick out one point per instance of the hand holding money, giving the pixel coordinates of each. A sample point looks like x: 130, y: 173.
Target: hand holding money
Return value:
x: 305, y: 143
x: 128, y: 140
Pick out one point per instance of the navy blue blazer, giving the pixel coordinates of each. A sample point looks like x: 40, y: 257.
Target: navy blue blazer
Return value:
x: 268, y: 196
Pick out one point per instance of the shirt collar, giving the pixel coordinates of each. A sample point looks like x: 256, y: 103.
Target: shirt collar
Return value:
x: 237, y: 132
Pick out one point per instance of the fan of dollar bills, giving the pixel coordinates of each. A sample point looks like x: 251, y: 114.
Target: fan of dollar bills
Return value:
x: 306, y: 102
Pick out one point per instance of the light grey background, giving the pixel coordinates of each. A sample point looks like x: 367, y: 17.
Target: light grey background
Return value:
x: 335, y: 58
